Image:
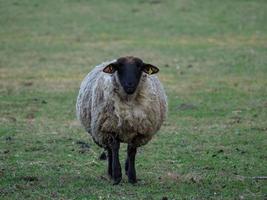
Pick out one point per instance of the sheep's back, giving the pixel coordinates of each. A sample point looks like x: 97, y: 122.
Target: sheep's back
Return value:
x: 85, y: 96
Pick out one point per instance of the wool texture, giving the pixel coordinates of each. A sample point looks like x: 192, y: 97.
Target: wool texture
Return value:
x: 105, y: 110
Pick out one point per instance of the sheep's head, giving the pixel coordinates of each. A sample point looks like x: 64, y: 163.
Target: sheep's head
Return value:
x: 129, y: 70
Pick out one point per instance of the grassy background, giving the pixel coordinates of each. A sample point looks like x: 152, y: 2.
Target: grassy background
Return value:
x: 212, y: 56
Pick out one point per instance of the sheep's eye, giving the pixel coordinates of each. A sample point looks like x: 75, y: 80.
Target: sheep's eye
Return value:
x: 139, y: 67
x: 119, y: 66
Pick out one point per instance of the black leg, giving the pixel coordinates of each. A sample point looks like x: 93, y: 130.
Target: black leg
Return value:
x: 116, y: 166
x: 131, y: 152
x: 109, y: 162
x: 126, y: 165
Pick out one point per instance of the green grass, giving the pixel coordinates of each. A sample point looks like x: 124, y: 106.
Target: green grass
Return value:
x: 212, y: 56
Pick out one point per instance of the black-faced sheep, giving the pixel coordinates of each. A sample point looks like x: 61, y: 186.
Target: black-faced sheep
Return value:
x: 122, y: 101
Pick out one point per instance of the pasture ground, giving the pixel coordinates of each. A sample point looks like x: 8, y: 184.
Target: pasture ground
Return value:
x: 212, y: 56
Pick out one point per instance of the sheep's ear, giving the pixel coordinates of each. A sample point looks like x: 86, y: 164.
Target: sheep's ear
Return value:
x: 110, y: 69
x: 150, y: 69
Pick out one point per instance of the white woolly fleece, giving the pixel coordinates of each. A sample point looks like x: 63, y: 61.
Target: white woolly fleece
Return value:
x: 104, y: 109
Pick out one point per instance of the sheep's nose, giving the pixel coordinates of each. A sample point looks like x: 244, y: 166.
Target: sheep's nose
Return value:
x: 130, y: 84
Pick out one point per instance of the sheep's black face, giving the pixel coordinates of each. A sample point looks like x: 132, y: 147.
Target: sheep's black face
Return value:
x: 129, y: 71
x: 129, y: 74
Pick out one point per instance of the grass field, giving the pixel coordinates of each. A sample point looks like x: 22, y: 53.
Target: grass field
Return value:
x: 213, y: 60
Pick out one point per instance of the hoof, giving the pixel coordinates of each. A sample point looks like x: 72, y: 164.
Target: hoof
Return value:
x: 103, y: 156
x: 109, y: 176
x: 116, y: 181
x: 132, y: 180
x: 109, y: 173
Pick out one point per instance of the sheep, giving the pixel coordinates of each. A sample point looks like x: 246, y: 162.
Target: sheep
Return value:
x: 122, y: 101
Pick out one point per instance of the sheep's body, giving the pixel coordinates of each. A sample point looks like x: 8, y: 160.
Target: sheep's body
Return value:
x: 104, y: 109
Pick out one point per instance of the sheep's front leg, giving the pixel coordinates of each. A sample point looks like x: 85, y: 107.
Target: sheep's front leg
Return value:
x: 130, y: 163
x: 116, y: 166
x: 126, y: 165
x: 109, y: 162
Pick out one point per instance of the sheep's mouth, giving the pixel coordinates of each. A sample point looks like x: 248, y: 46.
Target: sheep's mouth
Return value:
x: 129, y: 90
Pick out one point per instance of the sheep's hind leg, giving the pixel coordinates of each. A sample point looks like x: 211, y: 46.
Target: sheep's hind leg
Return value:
x: 130, y: 163
x: 116, y: 166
